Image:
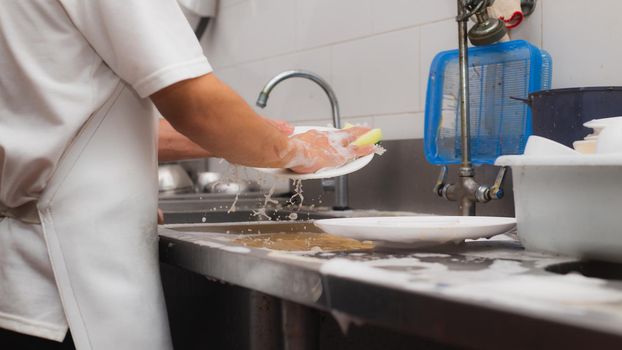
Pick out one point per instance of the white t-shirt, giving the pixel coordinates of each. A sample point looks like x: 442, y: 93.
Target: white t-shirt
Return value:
x: 60, y: 60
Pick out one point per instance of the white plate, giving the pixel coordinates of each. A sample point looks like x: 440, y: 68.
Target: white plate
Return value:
x: 409, y: 231
x: 326, y: 173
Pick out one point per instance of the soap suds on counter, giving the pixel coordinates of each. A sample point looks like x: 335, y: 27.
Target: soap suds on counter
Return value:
x: 571, y: 289
x: 431, y: 255
x: 233, y: 249
x: 503, y: 282
x: 407, y: 262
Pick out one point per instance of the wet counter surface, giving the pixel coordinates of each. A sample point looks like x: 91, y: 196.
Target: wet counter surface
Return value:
x: 480, y: 294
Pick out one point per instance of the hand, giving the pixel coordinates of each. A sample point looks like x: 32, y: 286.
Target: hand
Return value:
x: 315, y: 150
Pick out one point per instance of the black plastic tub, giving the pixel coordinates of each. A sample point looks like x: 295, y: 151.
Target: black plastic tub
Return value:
x: 559, y: 114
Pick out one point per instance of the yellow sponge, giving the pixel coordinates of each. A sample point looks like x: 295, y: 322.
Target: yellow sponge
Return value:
x: 371, y: 137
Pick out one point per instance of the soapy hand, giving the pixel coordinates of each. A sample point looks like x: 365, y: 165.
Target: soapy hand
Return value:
x: 314, y: 150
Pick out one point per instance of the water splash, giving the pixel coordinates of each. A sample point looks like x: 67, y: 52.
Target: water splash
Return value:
x: 261, y: 212
x: 297, y: 194
x: 233, y: 208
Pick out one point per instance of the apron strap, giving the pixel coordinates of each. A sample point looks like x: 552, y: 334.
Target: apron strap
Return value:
x: 27, y: 213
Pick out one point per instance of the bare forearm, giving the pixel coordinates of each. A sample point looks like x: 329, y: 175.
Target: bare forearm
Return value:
x: 174, y: 146
x: 214, y: 117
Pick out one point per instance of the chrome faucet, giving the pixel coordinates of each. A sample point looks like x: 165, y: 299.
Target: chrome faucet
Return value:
x: 339, y: 184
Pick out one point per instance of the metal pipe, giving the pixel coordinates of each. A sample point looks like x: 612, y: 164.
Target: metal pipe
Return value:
x: 467, y: 204
x: 341, y: 183
x: 463, y: 60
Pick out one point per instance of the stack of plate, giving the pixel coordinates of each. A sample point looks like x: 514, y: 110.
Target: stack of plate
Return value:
x: 590, y: 144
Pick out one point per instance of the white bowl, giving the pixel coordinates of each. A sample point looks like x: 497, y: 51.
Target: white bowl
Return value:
x: 569, y: 204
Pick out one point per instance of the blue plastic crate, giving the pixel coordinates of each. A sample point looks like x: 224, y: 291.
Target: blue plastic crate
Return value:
x: 499, y: 124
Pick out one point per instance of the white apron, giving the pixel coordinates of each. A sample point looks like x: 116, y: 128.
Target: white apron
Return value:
x: 98, y: 215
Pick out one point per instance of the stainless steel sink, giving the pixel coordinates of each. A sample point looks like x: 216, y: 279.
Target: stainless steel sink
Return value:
x: 194, y: 217
x: 214, y: 207
x: 249, y: 227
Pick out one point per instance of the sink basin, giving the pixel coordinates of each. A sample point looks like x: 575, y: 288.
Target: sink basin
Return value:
x: 301, y: 236
x: 213, y: 207
x: 249, y: 227
x: 221, y: 216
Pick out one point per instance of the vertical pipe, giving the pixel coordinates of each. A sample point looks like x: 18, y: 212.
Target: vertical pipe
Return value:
x: 341, y: 193
x: 467, y: 204
x: 464, y: 87
x: 341, y: 182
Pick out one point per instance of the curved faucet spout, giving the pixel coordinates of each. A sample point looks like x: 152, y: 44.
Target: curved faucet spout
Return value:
x: 262, y: 99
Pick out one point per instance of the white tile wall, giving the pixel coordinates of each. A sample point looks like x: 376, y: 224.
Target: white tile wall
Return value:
x: 247, y: 79
x: 583, y: 37
x: 322, y: 22
x: 379, y: 74
x: 400, y: 126
x: 394, y: 14
x: 376, y: 53
x: 435, y: 37
x: 297, y: 98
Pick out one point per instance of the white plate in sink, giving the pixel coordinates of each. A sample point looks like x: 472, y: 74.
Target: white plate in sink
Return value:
x: 412, y: 231
x: 345, y: 169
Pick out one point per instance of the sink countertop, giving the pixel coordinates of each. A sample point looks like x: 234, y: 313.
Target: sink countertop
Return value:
x: 480, y: 294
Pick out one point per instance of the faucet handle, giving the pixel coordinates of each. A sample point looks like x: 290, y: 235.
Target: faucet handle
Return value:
x: 486, y: 193
x: 496, y: 191
x: 440, y: 181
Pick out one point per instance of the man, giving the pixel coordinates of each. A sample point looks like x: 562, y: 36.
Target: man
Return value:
x: 78, y: 192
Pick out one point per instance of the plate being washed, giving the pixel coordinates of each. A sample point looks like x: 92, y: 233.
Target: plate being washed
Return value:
x: 347, y: 168
x: 417, y: 231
